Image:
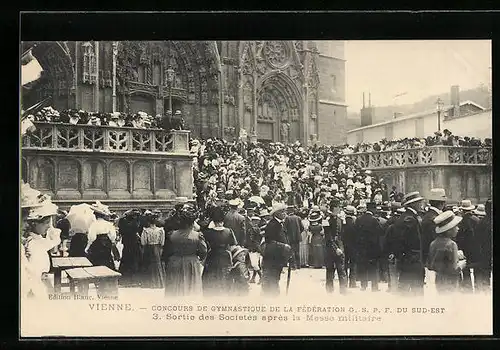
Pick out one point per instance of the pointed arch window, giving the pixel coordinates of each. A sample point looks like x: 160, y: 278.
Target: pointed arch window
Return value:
x: 89, y: 64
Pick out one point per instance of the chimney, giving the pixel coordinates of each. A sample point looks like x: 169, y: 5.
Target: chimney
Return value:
x: 367, y: 112
x: 455, y: 95
x: 455, y: 100
x: 363, y: 100
x: 369, y: 99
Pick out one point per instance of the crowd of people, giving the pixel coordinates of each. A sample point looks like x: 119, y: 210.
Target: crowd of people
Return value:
x: 140, y: 120
x: 258, y: 208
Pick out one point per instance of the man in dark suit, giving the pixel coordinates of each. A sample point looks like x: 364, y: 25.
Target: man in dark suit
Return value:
x: 348, y: 235
x: 482, y: 270
x: 276, y: 251
x: 293, y: 230
x: 409, y: 248
x: 369, y: 231
x: 437, y: 201
x: 236, y: 222
x: 334, y: 252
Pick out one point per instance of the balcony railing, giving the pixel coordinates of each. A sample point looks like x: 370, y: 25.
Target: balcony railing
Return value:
x: 94, y: 138
x: 425, y: 156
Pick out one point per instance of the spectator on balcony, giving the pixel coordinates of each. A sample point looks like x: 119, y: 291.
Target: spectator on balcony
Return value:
x: 177, y: 121
x: 94, y: 120
x: 113, y: 121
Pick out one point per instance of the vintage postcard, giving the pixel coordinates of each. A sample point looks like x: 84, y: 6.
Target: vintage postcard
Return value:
x: 256, y: 188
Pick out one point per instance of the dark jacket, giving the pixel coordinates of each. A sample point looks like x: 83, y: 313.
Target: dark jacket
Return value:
x: 466, y: 239
x: 236, y: 222
x: 293, y: 228
x: 276, y: 252
x: 484, y: 242
x: 409, y: 235
x: 333, y: 238
x: 428, y: 231
x: 348, y: 233
x: 368, y: 231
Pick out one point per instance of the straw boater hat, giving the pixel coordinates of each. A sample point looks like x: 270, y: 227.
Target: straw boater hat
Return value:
x: 350, y: 210
x: 437, y: 194
x: 446, y: 221
x: 100, y: 208
x: 264, y: 212
x: 480, y: 210
x: 467, y: 205
x: 236, y: 202
x: 412, y: 197
x: 315, y: 218
x: 278, y: 207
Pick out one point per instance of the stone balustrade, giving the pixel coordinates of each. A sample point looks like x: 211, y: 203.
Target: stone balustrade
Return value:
x: 95, y: 138
x: 425, y: 156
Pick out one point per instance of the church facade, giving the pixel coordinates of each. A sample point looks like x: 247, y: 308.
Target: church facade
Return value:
x: 271, y: 91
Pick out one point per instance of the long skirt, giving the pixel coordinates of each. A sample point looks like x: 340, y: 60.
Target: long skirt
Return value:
x: 318, y: 253
x: 153, y: 273
x: 183, y: 276
x: 446, y: 283
x: 215, y: 276
x: 130, y: 263
x: 304, y: 253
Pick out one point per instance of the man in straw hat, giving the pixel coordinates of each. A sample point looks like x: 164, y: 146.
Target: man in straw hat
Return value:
x: 409, y: 245
x: 235, y: 221
x: 467, y: 242
x: 437, y: 200
x: 293, y: 229
x: 443, y: 255
x: 369, y: 231
x: 276, y: 251
x: 335, y: 251
x: 482, y: 270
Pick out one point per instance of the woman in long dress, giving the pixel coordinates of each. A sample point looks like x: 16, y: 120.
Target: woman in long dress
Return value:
x: 130, y: 227
x: 185, y: 251
x: 218, y: 263
x: 39, y: 239
x: 152, y: 241
x: 304, y: 243
x: 317, y: 240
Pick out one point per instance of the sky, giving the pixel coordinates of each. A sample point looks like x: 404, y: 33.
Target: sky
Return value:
x: 414, y: 68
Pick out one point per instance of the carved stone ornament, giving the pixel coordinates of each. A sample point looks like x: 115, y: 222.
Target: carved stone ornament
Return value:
x: 277, y: 53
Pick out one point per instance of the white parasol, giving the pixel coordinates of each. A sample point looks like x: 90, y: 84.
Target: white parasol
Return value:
x: 80, y: 217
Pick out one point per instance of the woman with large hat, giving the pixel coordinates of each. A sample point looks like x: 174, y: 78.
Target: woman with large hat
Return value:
x: 317, y: 239
x: 152, y: 241
x: 39, y: 237
x: 185, y: 251
x: 443, y: 253
x: 101, y: 238
x: 219, y: 239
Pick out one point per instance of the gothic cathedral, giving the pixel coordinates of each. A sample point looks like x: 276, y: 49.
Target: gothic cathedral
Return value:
x: 271, y: 91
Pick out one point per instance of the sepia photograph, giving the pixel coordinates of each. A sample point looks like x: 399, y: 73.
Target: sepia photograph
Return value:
x: 256, y: 188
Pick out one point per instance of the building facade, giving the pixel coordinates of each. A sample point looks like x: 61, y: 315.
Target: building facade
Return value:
x: 271, y: 91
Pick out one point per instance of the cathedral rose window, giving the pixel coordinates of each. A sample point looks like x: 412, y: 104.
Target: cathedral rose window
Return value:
x: 277, y: 53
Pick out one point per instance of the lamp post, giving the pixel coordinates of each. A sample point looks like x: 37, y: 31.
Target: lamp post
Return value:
x: 170, y: 79
x: 439, y: 109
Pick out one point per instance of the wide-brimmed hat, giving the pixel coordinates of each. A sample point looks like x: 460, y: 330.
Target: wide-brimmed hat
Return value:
x: 235, y: 202
x: 480, y: 210
x: 100, y: 208
x: 437, y: 194
x: 350, y: 210
x: 31, y: 198
x: 466, y: 204
x: 412, y: 197
x: 47, y: 209
x: 278, y: 207
x: 446, y: 221
x: 315, y: 216
x: 235, y: 250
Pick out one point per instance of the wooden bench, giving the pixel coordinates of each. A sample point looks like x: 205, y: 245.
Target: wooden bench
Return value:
x: 105, y: 280
x: 62, y: 264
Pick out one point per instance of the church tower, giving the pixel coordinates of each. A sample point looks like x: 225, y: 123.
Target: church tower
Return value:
x: 332, y: 108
